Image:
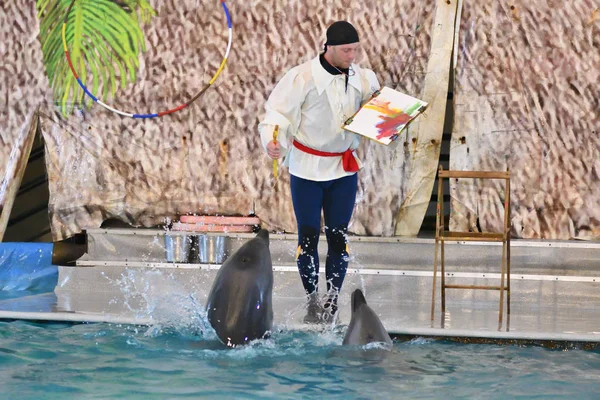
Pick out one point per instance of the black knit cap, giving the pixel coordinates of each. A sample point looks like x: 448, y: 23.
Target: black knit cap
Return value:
x: 341, y: 32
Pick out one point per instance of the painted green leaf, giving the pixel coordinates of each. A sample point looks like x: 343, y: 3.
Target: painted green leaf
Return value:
x: 104, y: 39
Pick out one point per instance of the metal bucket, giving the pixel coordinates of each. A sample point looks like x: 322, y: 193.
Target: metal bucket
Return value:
x: 211, y: 249
x: 177, y: 248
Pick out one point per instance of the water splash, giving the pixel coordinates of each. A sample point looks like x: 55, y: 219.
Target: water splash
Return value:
x: 157, y: 295
x: 420, y: 341
x: 377, y: 346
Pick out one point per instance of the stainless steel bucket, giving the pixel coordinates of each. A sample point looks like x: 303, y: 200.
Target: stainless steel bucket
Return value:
x: 177, y: 248
x: 211, y: 249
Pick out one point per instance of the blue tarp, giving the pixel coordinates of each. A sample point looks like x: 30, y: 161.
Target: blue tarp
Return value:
x: 27, y: 267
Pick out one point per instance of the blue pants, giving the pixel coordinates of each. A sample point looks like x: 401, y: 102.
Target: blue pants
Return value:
x: 336, y: 198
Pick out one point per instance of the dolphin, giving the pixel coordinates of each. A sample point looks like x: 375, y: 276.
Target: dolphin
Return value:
x: 240, y: 302
x: 365, y: 326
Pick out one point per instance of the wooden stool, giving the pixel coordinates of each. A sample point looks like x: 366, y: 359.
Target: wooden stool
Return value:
x: 441, y: 235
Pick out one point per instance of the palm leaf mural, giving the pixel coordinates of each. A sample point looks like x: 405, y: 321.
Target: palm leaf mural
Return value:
x: 104, y: 38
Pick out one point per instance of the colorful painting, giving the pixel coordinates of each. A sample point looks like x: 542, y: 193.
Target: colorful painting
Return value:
x: 385, y: 116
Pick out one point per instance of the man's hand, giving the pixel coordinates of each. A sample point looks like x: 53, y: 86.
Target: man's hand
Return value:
x: 273, y: 149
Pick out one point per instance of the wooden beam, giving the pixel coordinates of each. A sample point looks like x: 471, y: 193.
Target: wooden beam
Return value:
x: 474, y: 174
x: 15, y: 170
x: 474, y: 287
x: 429, y: 126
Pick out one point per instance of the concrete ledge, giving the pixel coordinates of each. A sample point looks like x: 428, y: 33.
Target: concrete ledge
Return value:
x: 527, y: 256
x: 542, y: 308
x: 554, y: 287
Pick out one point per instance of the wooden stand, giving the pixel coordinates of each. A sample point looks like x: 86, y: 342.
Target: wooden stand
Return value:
x: 441, y: 235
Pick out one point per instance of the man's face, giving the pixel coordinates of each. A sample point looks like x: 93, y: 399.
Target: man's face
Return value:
x: 344, y: 54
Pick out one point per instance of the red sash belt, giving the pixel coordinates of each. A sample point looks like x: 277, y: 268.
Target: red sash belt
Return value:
x: 348, y: 160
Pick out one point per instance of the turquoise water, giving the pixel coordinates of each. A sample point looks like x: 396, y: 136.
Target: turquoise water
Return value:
x: 60, y: 361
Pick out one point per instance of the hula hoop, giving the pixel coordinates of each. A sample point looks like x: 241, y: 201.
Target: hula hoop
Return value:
x: 149, y: 115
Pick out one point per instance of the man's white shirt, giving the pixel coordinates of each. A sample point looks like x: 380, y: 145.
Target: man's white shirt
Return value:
x: 311, y: 105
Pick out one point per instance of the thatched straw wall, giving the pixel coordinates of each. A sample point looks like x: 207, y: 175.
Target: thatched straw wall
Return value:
x: 525, y: 97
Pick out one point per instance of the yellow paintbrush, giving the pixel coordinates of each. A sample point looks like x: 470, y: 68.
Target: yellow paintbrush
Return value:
x: 275, y: 161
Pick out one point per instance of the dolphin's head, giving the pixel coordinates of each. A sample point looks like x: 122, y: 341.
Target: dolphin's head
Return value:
x: 264, y: 235
x: 239, y: 305
x: 358, y: 299
x: 365, y: 326
x: 253, y: 253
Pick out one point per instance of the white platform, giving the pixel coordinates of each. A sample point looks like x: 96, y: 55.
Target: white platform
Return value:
x: 555, y: 286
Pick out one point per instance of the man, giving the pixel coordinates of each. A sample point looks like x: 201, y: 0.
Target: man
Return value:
x: 310, y: 105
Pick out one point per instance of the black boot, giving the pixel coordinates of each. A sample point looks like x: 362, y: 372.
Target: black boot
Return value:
x: 314, y: 311
x: 330, y: 307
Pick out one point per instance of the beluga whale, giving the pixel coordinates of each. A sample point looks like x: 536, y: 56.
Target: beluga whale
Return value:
x: 240, y: 302
x: 365, y: 326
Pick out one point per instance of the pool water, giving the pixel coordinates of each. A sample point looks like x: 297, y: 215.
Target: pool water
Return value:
x: 59, y: 360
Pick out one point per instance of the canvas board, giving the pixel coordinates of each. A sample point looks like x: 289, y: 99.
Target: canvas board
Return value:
x: 385, y: 115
